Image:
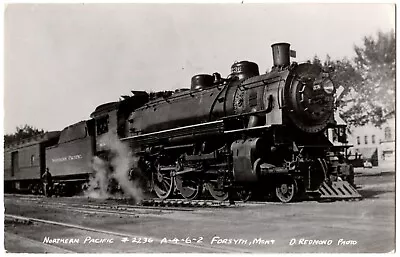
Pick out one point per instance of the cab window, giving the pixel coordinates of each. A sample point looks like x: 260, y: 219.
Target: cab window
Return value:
x: 102, y: 125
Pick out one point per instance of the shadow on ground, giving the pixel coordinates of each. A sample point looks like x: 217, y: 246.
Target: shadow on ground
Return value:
x: 374, y: 174
x: 372, y: 193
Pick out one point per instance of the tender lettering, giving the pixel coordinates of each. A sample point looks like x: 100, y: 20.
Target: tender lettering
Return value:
x: 61, y: 159
x: 75, y: 157
x: 67, y: 158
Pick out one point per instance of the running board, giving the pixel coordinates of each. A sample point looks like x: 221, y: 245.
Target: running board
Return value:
x: 212, y: 128
x: 338, y: 190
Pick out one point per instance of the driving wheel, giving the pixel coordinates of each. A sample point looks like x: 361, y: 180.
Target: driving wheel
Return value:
x: 189, y: 188
x: 163, y: 183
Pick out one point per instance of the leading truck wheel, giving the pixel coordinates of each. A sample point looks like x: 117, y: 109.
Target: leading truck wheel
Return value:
x: 286, y: 190
x: 244, y: 194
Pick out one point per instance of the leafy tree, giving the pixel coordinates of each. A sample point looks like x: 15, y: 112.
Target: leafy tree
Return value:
x: 376, y: 63
x: 368, y: 82
x: 22, y: 132
x: 372, y: 97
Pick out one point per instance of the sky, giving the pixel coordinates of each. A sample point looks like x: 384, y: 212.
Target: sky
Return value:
x: 63, y: 60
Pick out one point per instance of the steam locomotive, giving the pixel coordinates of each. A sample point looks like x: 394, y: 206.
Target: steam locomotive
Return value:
x: 246, y: 133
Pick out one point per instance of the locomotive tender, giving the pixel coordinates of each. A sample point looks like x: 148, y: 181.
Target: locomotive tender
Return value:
x: 244, y: 133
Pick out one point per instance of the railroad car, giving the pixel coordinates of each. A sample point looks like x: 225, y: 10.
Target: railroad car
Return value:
x: 68, y: 155
x: 24, y: 163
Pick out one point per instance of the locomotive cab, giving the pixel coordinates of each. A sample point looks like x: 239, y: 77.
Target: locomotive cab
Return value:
x: 112, y: 117
x: 105, y: 118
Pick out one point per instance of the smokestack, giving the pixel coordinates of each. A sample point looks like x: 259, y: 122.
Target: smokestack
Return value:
x: 281, y: 54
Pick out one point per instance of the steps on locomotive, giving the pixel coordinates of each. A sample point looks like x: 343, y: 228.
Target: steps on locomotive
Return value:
x: 338, y: 190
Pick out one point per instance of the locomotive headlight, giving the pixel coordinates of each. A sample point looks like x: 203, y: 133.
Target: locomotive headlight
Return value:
x: 328, y: 86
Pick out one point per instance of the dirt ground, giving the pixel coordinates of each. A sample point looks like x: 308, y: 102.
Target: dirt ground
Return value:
x: 364, y: 226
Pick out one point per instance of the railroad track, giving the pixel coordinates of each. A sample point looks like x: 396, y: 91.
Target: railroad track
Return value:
x: 120, y: 235
x: 147, y: 204
x: 102, y: 206
x: 182, y: 202
x: 150, y: 204
x: 104, y: 209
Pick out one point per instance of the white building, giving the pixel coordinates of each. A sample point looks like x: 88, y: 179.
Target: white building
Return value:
x: 374, y: 142
x: 388, y: 142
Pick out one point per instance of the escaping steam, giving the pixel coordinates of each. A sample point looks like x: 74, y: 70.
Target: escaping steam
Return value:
x: 121, y: 162
x: 99, y: 183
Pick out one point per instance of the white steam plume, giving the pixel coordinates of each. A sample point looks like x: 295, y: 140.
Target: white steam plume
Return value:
x: 122, y: 161
x: 99, y: 183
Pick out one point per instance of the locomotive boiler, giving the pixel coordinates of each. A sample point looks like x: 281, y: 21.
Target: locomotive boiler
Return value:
x: 244, y: 133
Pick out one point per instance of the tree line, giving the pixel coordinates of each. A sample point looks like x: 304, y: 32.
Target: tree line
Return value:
x: 21, y: 133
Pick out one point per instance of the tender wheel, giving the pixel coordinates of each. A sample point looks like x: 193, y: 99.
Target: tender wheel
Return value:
x: 286, y: 190
x: 31, y: 189
x: 189, y: 188
x: 40, y: 190
x: 163, y: 183
x: 85, y: 186
x: 37, y: 189
x: 218, y: 194
x: 244, y: 194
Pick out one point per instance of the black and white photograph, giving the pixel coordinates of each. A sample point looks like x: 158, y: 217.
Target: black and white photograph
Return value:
x: 191, y: 127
